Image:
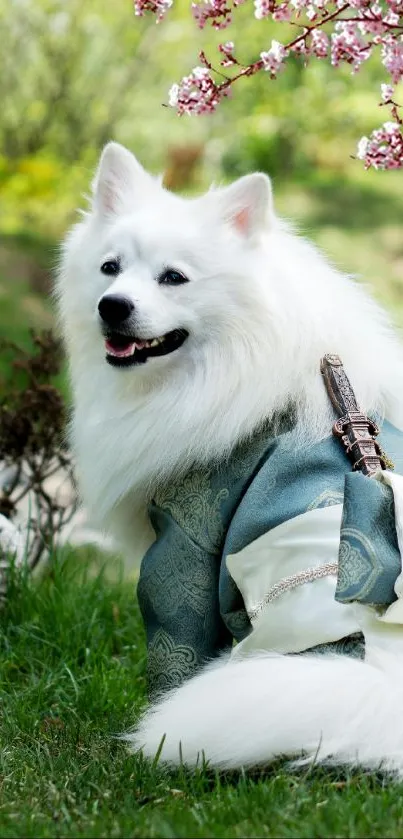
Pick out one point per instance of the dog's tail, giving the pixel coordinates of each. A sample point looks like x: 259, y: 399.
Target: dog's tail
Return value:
x: 330, y: 709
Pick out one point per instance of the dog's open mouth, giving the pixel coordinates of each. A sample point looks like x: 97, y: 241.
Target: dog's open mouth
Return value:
x: 126, y: 351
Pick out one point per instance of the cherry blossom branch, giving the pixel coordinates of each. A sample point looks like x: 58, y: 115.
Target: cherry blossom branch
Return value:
x: 344, y: 31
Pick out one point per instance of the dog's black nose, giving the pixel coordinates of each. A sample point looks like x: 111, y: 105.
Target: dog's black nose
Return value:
x: 115, y: 309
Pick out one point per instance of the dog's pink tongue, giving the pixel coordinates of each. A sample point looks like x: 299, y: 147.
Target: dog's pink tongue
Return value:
x: 119, y: 351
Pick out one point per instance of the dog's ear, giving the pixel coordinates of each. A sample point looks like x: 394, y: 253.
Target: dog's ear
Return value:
x: 118, y: 179
x: 247, y: 204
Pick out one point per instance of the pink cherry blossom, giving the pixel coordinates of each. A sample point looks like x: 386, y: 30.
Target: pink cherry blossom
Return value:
x: 273, y: 59
x: 348, y: 45
x: 264, y: 8
x: 386, y: 92
x: 156, y: 7
x: 282, y: 12
x: 217, y: 12
x: 392, y: 58
x: 320, y: 43
x: 227, y: 51
x: 384, y: 148
x: 196, y: 93
x: 396, y: 6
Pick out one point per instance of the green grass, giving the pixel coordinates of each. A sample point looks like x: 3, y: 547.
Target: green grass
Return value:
x: 72, y: 676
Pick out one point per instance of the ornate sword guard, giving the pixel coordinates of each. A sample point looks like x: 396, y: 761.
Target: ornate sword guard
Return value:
x: 355, y: 430
x: 357, y: 433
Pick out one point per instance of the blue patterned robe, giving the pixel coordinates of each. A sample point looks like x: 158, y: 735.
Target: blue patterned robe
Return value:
x: 191, y: 605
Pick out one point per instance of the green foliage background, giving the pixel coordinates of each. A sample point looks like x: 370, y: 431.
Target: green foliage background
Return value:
x: 76, y: 74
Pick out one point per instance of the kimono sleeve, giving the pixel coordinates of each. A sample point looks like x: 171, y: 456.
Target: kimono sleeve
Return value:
x: 369, y: 554
x: 178, y: 597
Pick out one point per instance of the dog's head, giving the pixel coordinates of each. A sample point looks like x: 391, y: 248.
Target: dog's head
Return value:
x: 149, y: 277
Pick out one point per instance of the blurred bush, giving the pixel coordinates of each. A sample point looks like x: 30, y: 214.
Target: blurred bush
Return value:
x: 33, y: 453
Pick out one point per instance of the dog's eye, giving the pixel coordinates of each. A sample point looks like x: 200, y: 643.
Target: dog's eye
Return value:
x: 111, y: 267
x: 171, y: 277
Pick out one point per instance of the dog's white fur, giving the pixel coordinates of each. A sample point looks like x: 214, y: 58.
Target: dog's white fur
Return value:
x: 261, y: 308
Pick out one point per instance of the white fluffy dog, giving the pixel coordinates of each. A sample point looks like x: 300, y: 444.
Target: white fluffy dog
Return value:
x: 226, y: 314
